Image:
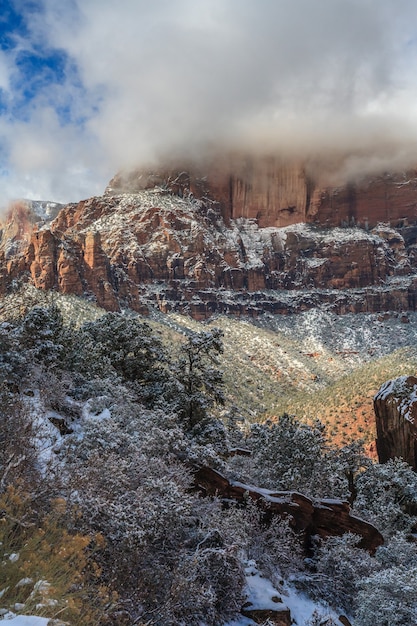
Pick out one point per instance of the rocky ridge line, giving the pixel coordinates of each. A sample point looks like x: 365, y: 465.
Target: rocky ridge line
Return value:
x: 324, y: 518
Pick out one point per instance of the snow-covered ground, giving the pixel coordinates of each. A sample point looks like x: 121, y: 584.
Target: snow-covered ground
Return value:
x: 260, y: 593
x: 357, y: 337
x: 24, y: 620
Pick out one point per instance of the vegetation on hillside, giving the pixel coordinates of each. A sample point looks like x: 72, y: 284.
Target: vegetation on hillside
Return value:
x: 104, y: 422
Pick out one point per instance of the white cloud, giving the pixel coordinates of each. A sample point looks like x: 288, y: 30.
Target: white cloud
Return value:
x: 296, y: 76
x: 48, y: 161
x: 4, y: 72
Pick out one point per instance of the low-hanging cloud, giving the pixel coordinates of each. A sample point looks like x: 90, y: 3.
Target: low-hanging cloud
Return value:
x: 332, y: 82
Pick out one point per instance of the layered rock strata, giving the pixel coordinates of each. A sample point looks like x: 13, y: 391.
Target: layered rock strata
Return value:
x: 175, y: 241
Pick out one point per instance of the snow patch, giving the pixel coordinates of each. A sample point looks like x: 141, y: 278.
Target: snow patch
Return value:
x: 260, y: 593
x: 45, y: 210
x: 25, y: 620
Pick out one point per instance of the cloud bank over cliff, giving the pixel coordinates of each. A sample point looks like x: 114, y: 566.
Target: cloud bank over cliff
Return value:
x: 89, y: 86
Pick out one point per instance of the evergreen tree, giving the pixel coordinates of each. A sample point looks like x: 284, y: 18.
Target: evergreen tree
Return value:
x: 132, y: 350
x: 42, y: 333
x: 199, y: 377
x: 387, y: 496
x: 288, y: 454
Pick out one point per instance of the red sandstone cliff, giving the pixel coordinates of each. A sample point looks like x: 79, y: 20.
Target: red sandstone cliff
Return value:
x: 278, y: 193
x: 231, y: 240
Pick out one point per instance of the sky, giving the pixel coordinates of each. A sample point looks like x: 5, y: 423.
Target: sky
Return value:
x: 88, y: 87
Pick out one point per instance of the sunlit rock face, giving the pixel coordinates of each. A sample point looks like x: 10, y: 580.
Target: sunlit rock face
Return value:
x: 395, y: 407
x: 241, y: 237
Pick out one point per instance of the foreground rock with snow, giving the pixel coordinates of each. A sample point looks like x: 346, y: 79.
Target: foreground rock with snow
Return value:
x: 265, y: 604
x: 324, y: 517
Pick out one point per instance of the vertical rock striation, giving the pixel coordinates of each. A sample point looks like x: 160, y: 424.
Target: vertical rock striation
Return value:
x: 280, y: 193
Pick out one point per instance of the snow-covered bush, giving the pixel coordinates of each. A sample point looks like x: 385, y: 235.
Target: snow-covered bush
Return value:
x: 13, y: 360
x: 129, y: 482
x: 387, y: 496
x: 287, y: 454
x: 339, y: 565
x: 42, y: 333
x: 388, y: 598
x: 400, y: 549
x: 207, y: 588
x: 153, y: 527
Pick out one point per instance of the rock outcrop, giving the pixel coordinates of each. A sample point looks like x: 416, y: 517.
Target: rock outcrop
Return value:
x: 244, y: 243
x: 325, y: 518
x: 395, y: 407
x: 279, y: 616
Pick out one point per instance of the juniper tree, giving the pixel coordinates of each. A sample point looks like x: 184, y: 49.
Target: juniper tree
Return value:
x: 131, y: 349
x: 199, y: 376
x: 387, y: 496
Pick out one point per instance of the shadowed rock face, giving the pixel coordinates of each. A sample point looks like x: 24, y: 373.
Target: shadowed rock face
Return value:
x: 229, y: 241
x: 395, y: 407
x: 325, y: 518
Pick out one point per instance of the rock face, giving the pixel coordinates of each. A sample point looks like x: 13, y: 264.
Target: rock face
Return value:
x: 388, y: 198
x: 325, y: 518
x: 395, y: 407
x: 263, y: 238
x: 275, y: 617
x: 266, y: 189
x: 280, y: 193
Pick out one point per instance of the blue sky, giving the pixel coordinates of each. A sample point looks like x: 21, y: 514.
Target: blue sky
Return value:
x: 44, y: 109
x: 32, y: 65
x: 90, y: 86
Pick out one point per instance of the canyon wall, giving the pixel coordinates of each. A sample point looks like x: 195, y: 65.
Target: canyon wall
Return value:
x: 278, y: 193
x: 241, y: 237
